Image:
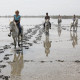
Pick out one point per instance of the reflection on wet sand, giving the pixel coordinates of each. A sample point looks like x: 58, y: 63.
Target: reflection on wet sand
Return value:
x: 73, y: 35
x: 47, y: 45
x: 16, y: 66
x: 59, y: 30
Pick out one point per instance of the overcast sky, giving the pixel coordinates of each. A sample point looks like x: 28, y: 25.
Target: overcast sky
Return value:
x: 40, y: 7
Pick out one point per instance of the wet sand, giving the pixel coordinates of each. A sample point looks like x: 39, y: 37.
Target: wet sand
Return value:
x: 41, y: 57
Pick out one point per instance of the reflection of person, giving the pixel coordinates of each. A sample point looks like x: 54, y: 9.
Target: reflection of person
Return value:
x: 17, y: 18
x: 74, y: 38
x: 59, y: 31
x: 47, y: 45
x: 47, y: 17
x: 16, y: 67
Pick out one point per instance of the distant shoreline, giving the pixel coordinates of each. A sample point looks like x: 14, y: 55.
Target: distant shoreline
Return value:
x: 53, y: 17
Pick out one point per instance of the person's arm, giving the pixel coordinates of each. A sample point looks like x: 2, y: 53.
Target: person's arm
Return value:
x: 19, y: 20
x: 45, y: 17
x: 49, y: 17
x: 73, y: 19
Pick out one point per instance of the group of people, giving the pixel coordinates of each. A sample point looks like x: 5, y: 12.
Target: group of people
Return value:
x: 17, y: 19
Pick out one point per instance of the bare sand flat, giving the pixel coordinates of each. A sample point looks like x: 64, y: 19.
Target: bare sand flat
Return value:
x: 42, y: 57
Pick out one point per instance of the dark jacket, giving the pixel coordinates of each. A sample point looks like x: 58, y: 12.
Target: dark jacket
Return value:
x: 47, y: 17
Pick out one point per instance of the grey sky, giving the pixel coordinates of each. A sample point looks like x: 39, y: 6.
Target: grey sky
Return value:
x: 40, y: 7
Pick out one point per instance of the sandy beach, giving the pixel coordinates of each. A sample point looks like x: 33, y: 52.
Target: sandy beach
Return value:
x: 42, y: 57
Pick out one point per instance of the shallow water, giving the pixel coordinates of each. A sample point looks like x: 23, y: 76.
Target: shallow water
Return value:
x: 42, y: 57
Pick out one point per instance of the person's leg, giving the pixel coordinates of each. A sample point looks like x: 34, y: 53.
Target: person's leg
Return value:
x: 50, y: 25
x: 44, y: 25
x: 19, y: 27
